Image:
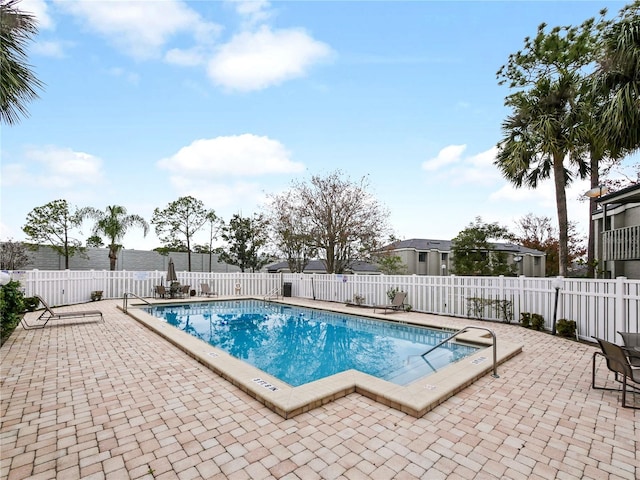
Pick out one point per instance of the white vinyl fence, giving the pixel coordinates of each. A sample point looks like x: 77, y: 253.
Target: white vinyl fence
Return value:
x: 599, y: 307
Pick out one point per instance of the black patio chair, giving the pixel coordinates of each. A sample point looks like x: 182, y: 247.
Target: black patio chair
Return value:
x: 632, y: 347
x: 618, y: 363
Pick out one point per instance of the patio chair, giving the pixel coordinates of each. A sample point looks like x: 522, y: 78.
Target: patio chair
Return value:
x: 397, y: 304
x: 159, y: 292
x: 184, y: 291
x: 618, y: 363
x: 205, y: 289
x: 49, y: 314
x: 632, y: 347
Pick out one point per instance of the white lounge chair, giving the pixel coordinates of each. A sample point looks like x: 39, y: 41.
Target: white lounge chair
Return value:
x: 49, y: 314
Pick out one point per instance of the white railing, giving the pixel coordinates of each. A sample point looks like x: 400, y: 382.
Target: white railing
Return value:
x: 622, y: 243
x: 599, y: 307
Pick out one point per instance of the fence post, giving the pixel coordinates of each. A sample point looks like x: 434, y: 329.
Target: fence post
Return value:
x: 517, y: 304
x: 620, y: 320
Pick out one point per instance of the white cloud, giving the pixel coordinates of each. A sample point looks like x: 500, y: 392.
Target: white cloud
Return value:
x: 253, y: 11
x: 39, y: 9
x: 237, y: 155
x: 257, y: 60
x: 13, y: 174
x: 185, y: 57
x: 229, y: 195
x: 478, y: 169
x: 49, y: 49
x: 54, y: 167
x: 543, y: 196
x: 446, y: 156
x: 451, y: 165
x: 140, y: 29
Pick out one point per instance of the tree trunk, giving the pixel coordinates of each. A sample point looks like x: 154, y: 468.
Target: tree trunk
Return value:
x: 563, y: 222
x: 331, y: 257
x: 113, y: 256
x: 66, y: 250
x: 591, y: 247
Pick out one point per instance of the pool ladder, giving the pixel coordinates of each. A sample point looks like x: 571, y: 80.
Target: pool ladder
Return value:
x: 273, y: 293
x: 125, y: 298
x: 493, y: 336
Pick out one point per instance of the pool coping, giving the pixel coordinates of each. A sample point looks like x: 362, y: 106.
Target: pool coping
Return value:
x: 415, y: 399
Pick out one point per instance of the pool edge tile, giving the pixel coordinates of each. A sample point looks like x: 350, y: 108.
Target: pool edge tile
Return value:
x: 415, y: 399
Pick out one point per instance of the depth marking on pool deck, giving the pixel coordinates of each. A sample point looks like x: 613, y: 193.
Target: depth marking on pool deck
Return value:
x: 265, y: 384
x: 478, y: 360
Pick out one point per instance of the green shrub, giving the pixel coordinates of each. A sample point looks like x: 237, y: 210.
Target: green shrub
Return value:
x: 11, y: 309
x: 391, y: 293
x: 537, y: 321
x: 31, y: 304
x: 525, y: 319
x: 566, y: 328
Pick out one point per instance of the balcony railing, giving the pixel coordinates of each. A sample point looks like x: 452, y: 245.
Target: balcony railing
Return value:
x: 621, y: 243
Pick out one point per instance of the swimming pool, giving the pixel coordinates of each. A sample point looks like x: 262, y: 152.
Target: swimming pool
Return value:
x: 300, y: 345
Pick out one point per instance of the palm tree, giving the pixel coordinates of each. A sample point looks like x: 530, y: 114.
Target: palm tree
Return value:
x: 546, y: 132
x: 114, y: 223
x: 618, y: 78
x: 540, y: 135
x: 602, y: 151
x: 18, y: 83
x: 611, y: 101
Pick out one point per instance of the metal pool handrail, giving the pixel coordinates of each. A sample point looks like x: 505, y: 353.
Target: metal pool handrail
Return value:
x: 272, y: 293
x: 127, y: 295
x: 493, y: 336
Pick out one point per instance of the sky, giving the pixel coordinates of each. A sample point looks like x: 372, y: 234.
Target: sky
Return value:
x: 230, y: 101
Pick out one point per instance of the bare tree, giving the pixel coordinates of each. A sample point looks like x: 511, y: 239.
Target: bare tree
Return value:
x: 13, y: 255
x: 538, y: 233
x: 290, y: 232
x: 341, y: 219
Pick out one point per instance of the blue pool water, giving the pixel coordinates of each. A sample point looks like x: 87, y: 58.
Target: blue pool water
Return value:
x: 300, y: 345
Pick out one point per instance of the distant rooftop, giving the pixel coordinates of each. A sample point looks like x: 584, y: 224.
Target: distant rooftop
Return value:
x: 423, y: 244
x: 317, y: 266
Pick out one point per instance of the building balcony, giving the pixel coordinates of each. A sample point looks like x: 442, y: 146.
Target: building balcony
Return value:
x: 621, y: 243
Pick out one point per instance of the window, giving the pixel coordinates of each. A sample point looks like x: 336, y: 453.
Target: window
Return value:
x: 536, y: 261
x: 444, y: 256
x: 422, y: 257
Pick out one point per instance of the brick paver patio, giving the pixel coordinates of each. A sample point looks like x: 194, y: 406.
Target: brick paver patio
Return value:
x: 83, y: 399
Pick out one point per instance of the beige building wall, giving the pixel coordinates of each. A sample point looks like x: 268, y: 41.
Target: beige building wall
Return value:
x: 620, y: 216
x: 431, y: 262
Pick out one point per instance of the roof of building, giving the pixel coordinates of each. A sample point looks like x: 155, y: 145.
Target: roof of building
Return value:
x: 630, y: 194
x: 317, y: 266
x: 423, y: 244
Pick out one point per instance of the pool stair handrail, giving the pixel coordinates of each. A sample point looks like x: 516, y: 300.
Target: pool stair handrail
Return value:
x: 125, y: 298
x: 463, y: 330
x: 273, y: 293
